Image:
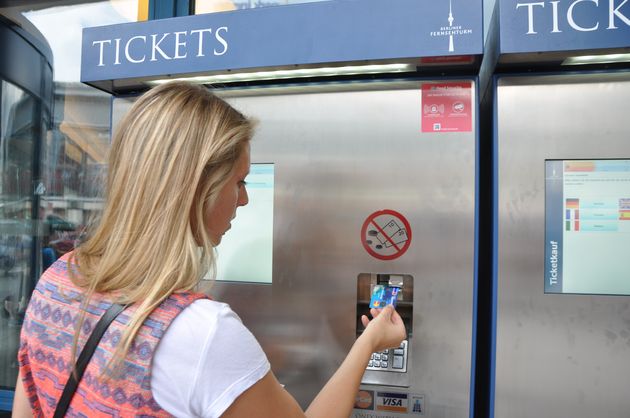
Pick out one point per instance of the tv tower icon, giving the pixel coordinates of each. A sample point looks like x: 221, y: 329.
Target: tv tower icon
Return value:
x: 451, y: 47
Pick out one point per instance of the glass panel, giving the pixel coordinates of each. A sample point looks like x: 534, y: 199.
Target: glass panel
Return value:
x: 62, y: 26
x: 73, y: 166
x: 73, y: 157
x: 210, y: 6
x: 17, y: 130
x: 71, y: 160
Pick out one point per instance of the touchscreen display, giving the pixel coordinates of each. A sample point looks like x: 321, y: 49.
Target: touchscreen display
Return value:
x: 587, y: 226
x: 246, y: 250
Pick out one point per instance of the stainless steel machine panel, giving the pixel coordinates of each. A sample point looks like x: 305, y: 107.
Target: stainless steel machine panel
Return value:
x: 557, y: 355
x: 340, y: 153
x: 340, y: 156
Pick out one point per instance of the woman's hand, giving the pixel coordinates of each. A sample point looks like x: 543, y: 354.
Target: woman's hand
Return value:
x: 268, y: 399
x: 385, y: 330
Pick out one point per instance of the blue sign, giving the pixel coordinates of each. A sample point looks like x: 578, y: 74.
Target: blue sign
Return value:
x: 312, y: 33
x: 562, y: 25
x: 554, y: 225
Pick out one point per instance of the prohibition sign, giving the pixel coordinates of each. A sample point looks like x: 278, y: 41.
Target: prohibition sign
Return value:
x: 386, y: 234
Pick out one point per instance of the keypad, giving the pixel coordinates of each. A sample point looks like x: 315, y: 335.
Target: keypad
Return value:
x: 393, y: 360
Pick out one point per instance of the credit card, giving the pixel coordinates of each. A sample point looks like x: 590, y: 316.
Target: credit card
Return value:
x: 383, y: 296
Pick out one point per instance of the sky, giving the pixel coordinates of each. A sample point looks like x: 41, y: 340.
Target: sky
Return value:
x: 62, y: 27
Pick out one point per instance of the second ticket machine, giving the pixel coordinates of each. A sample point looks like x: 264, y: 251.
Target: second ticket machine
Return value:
x: 562, y: 158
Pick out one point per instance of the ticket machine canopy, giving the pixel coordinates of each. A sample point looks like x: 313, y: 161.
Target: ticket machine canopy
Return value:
x: 344, y: 37
x: 559, y: 33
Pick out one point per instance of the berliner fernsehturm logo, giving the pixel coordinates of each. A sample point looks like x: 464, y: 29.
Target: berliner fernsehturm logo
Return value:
x: 451, y: 31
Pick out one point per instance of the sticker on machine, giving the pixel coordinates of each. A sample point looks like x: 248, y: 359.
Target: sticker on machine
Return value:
x: 417, y: 404
x: 364, y: 400
x: 386, y: 234
x: 447, y: 107
x: 392, y: 402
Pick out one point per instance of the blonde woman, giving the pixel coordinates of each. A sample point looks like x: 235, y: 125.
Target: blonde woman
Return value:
x: 177, y: 172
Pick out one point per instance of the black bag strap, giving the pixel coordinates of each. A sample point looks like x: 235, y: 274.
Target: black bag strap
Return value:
x: 84, y: 358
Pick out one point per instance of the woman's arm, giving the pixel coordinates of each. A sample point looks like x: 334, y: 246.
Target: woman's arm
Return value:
x: 21, y: 405
x: 268, y: 399
x: 337, y: 397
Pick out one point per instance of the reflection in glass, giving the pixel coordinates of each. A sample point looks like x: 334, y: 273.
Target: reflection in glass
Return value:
x: 62, y: 26
x: 73, y: 166
x: 70, y: 156
x: 73, y: 157
x: 211, y: 6
x: 17, y: 130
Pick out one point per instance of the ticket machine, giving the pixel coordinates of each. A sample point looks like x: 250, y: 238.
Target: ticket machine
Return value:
x: 562, y: 181
x: 346, y: 163
x: 361, y: 177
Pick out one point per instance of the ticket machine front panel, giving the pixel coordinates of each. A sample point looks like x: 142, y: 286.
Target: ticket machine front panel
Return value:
x: 342, y: 154
x: 563, y: 314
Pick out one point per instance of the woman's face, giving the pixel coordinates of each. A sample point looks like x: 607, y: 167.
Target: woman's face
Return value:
x: 232, y: 195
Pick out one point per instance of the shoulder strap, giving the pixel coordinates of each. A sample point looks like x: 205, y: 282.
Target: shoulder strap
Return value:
x: 84, y: 358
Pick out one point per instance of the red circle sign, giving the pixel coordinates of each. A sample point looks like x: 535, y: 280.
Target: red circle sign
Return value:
x: 386, y: 234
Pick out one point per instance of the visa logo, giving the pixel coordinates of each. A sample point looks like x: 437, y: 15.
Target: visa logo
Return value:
x: 392, y: 402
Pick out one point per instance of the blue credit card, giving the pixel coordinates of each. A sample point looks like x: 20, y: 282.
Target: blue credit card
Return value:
x: 383, y: 296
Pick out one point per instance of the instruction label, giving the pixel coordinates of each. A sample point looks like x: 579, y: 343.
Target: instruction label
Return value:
x: 447, y: 107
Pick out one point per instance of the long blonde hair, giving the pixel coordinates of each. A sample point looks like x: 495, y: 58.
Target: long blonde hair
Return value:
x: 170, y: 157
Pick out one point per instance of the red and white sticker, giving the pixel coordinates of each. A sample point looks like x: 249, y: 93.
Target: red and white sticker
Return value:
x: 447, y: 107
x: 386, y: 234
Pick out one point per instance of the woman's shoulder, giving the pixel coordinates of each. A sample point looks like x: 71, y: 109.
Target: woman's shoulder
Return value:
x: 197, y: 323
x: 57, y: 277
x: 61, y: 266
x: 205, y: 312
x: 202, y: 326
x: 205, y: 360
